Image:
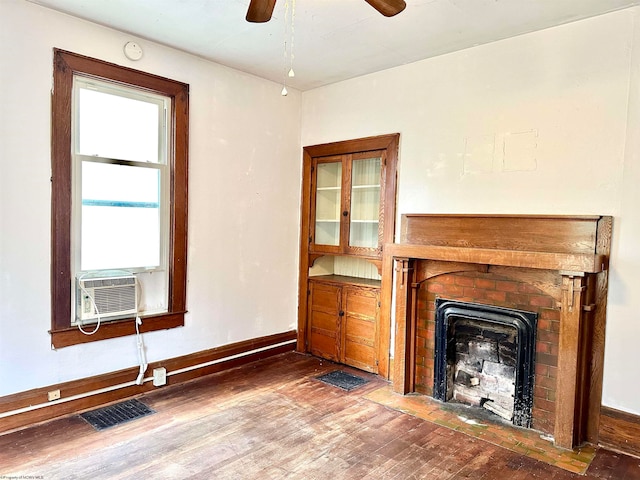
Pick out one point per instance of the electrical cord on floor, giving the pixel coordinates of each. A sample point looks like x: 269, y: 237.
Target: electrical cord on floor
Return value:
x: 142, y: 358
x: 141, y: 355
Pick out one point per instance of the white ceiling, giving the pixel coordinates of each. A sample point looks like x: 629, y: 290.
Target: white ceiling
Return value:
x: 333, y: 40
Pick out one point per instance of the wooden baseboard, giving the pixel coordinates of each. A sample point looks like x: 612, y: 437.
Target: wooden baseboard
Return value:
x: 26, y: 408
x: 620, y: 431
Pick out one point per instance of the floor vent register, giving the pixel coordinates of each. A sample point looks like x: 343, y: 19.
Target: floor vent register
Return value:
x: 345, y: 381
x: 116, y: 414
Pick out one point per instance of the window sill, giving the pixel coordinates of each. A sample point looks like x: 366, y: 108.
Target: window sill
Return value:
x: 120, y: 328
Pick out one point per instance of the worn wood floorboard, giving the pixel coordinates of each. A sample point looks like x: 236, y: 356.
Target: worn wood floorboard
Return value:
x: 273, y: 420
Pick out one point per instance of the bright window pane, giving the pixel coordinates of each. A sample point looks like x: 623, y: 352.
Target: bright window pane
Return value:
x: 113, y: 126
x: 120, y: 216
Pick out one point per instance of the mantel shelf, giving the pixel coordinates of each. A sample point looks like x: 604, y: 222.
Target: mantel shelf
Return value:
x: 570, y: 262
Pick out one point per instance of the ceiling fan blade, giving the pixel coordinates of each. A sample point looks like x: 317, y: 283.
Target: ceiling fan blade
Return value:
x: 388, y: 8
x: 260, y: 11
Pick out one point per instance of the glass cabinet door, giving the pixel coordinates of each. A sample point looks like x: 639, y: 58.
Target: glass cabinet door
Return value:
x: 347, y: 196
x: 365, y: 202
x: 328, y: 197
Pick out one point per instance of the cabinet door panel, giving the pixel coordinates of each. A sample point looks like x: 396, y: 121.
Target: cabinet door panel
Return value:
x: 363, y: 303
x: 327, y: 204
x: 325, y: 298
x: 324, y: 307
x: 359, y: 328
x: 365, y: 202
x: 360, y: 356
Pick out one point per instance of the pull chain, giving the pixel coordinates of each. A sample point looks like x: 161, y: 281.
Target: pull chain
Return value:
x: 288, y: 52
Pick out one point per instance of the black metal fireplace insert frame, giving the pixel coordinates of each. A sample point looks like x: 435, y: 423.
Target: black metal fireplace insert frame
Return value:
x: 525, y: 323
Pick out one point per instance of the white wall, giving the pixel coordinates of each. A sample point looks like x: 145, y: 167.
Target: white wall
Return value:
x: 622, y: 366
x: 536, y: 124
x: 244, y: 202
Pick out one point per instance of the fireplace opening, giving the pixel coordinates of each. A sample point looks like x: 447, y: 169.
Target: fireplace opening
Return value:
x: 484, y: 357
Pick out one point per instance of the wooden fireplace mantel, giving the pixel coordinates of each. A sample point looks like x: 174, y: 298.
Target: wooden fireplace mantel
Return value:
x: 575, y: 248
x: 568, y: 262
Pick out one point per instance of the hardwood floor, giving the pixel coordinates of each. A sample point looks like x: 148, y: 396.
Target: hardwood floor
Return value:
x: 273, y: 420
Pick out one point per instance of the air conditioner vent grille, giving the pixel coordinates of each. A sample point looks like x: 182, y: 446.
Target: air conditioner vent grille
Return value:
x: 115, y: 299
x: 107, y: 297
x: 109, y: 282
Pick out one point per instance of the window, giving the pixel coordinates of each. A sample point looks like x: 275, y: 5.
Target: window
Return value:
x: 119, y: 183
x: 120, y: 176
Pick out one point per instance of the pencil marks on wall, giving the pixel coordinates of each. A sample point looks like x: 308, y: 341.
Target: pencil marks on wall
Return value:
x: 504, y: 152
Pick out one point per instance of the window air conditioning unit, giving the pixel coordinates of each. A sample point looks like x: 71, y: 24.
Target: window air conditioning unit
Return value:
x: 107, y: 297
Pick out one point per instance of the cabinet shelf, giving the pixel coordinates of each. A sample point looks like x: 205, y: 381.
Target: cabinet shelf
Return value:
x: 345, y: 280
x: 364, y: 187
x: 325, y: 189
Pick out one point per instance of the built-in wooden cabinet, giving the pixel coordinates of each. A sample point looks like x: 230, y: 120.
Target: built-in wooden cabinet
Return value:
x: 348, y: 213
x: 343, y: 318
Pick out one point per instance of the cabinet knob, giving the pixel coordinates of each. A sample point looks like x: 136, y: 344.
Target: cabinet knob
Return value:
x: 341, y: 313
x: 345, y: 213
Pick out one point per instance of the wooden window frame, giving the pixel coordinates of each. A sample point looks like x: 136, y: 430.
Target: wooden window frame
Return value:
x: 65, y: 66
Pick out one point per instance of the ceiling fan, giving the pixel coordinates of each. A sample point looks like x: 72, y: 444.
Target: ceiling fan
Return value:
x: 260, y: 11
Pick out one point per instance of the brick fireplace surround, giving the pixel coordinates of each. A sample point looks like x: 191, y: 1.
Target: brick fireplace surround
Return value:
x: 555, y: 266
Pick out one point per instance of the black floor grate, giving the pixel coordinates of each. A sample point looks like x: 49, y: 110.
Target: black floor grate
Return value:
x: 116, y: 414
x: 343, y: 380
